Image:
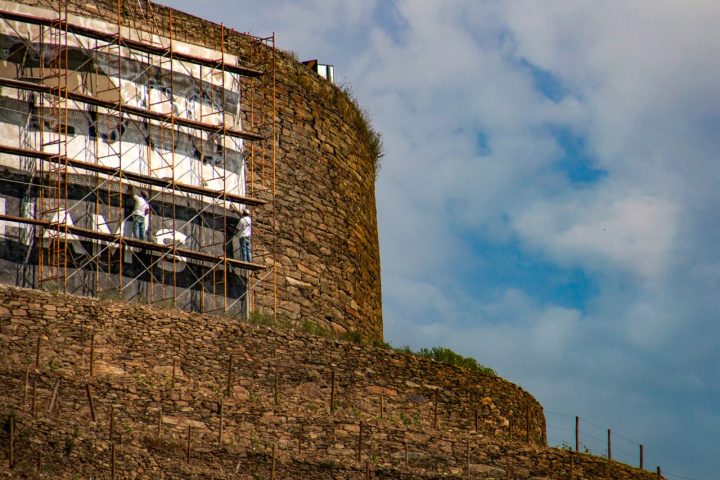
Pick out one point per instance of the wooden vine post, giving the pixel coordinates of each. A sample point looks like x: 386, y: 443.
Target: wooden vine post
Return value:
x: 332, y: 390
x: 577, y: 434
x: 11, y: 446
x: 90, y: 401
x: 112, y: 460
x: 229, y: 376
x: 272, y: 471
x: 187, y: 450
x: 277, y: 397
x: 92, y: 354
x: 25, y: 387
x: 37, y: 351
x: 222, y: 413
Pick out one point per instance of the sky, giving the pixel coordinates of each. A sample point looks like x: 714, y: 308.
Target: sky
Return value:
x: 548, y: 199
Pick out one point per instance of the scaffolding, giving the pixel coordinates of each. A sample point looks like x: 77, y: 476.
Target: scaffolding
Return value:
x: 117, y: 112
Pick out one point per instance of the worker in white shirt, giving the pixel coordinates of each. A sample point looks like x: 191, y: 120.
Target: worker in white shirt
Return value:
x: 140, y: 211
x: 244, y: 228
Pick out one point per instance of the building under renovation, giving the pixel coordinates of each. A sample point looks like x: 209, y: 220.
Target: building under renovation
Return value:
x: 95, y: 114
x: 110, y: 105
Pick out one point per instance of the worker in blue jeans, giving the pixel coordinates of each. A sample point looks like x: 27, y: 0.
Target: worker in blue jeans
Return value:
x: 244, y: 228
x: 140, y: 211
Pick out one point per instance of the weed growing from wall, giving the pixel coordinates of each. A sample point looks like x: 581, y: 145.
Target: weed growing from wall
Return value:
x: 439, y: 354
x: 445, y: 355
x: 345, y: 102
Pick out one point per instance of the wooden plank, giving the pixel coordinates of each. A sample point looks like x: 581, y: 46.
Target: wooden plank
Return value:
x: 130, y: 43
x: 120, y: 108
x: 133, y: 242
x: 158, y: 182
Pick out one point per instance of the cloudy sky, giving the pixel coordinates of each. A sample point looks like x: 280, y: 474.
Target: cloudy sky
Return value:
x: 548, y: 201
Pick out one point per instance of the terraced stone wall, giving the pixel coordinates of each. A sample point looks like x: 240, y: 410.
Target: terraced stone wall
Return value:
x: 158, y: 375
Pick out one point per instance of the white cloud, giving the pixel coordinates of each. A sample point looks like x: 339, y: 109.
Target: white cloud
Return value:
x: 641, y: 77
x: 496, y: 330
x: 634, y: 234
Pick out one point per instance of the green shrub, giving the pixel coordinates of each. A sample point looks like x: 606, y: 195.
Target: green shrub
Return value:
x: 445, y: 355
x: 261, y: 318
x: 344, y: 100
x: 439, y: 354
x: 353, y: 336
x: 315, y: 329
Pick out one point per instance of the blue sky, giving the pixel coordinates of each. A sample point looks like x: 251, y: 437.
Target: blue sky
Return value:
x: 548, y: 201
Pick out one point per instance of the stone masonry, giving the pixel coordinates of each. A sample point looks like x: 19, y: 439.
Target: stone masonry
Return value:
x: 70, y: 367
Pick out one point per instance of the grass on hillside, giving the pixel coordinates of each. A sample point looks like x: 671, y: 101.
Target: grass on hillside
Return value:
x: 439, y: 354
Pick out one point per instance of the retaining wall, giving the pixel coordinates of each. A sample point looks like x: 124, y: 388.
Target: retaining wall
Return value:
x: 265, y: 387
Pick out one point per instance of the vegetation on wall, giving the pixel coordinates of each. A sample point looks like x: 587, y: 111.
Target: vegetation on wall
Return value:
x: 344, y: 100
x: 438, y: 354
x: 361, y: 118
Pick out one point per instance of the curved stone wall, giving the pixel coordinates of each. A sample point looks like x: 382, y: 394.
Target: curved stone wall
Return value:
x: 181, y: 395
x: 320, y: 232
x: 327, y: 243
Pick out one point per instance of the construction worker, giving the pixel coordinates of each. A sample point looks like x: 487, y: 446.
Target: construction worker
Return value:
x: 244, y: 228
x: 140, y: 211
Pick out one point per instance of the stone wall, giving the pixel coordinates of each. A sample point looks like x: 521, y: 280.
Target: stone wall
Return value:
x: 321, y: 230
x: 159, y: 374
x: 327, y: 243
